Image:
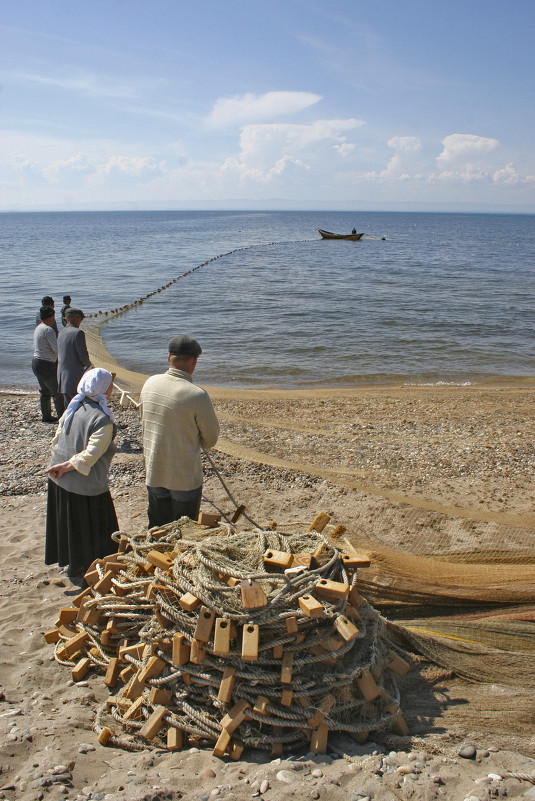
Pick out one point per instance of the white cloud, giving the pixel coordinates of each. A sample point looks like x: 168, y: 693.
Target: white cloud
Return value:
x: 268, y: 150
x: 53, y: 171
x: 409, y: 144
x: 345, y: 149
x: 88, y: 84
x: 135, y: 166
x: 456, y: 146
x: 248, y: 108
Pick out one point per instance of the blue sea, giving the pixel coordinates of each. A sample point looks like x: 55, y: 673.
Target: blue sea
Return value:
x: 422, y: 298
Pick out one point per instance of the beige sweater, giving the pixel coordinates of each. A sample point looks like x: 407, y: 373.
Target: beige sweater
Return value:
x: 178, y: 420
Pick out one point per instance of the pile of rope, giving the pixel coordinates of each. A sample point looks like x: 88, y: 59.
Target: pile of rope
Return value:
x: 256, y: 639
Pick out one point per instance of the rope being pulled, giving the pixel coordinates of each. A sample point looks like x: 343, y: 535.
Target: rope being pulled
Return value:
x: 210, y: 632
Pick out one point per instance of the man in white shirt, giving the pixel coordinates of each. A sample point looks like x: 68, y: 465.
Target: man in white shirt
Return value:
x: 178, y: 420
x: 45, y: 365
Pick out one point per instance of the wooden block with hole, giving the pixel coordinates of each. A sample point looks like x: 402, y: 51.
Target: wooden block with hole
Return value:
x: 174, y: 738
x: 135, y: 651
x: 238, y: 513
x: 78, y: 599
x: 252, y: 595
x: 355, y: 598
x: 154, y: 668
x: 75, y: 643
x: 189, y: 602
x: 345, y: 628
x: 301, y: 560
x: 90, y: 615
x: 318, y: 650
x: 319, y: 522
x: 135, y: 688
x: 112, y: 672
x: 164, y: 561
x: 197, y: 652
x: 323, y: 709
x: 157, y: 533
x: 221, y: 637
x: 207, y: 519
x: 318, y: 740
x: 236, y: 715
x: 227, y: 685
x: 223, y: 742
x: 291, y: 625
x: 134, y: 711
x: 276, y: 745
x: 67, y: 615
x: 81, y: 668
x: 331, y: 590
x: 286, y: 696
x: 310, y: 606
x: 123, y: 545
x: 126, y: 674
x: 367, y: 685
x: 287, y: 667
x: 249, y: 642
x: 397, y: 664
x: 181, y: 650
x: 160, y: 697
x: 277, y: 560
x: 352, y: 561
x: 91, y: 577
x: 152, y: 726
x: 351, y: 613
x: 261, y: 706
x: 103, y: 585
x: 236, y: 749
x: 51, y: 636
x: 398, y: 725
x: 205, y: 624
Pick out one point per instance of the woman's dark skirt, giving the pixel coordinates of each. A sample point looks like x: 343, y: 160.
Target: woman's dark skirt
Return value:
x: 78, y: 528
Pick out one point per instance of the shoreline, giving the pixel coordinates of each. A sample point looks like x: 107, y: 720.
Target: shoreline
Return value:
x: 338, y: 388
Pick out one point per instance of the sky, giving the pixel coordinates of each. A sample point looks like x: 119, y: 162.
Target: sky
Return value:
x: 255, y: 104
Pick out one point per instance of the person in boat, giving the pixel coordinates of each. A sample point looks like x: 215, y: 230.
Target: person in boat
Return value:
x: 80, y: 517
x: 178, y: 420
x: 354, y: 231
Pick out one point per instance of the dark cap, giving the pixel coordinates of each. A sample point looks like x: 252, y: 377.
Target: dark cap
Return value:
x: 45, y: 312
x: 74, y: 313
x: 182, y: 345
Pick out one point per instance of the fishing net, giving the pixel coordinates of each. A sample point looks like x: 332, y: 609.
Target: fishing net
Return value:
x: 207, y: 630
x: 460, y: 561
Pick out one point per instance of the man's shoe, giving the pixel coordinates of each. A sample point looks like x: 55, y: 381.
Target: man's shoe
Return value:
x: 50, y: 420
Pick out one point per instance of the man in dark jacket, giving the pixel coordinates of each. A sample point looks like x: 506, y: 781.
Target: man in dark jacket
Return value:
x: 73, y: 358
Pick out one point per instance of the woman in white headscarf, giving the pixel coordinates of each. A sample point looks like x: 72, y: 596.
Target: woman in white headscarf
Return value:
x: 80, y: 512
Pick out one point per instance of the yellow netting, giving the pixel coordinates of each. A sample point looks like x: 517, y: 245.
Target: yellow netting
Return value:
x: 448, y: 570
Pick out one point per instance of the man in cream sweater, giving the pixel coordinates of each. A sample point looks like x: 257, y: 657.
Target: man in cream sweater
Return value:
x: 178, y: 420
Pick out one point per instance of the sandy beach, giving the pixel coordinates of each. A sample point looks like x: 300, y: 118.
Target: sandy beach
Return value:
x: 385, y: 462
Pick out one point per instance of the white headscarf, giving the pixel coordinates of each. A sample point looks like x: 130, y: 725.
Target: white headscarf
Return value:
x: 93, y: 384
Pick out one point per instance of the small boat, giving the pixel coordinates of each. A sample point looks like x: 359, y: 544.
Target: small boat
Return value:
x: 329, y: 235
